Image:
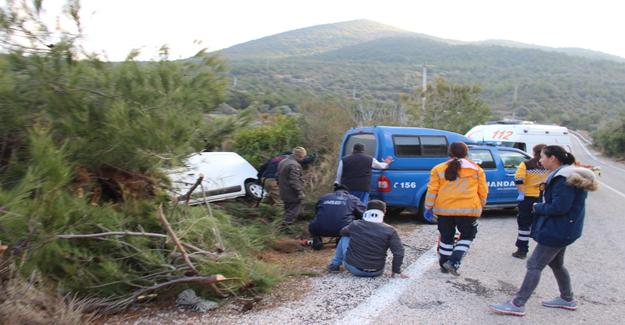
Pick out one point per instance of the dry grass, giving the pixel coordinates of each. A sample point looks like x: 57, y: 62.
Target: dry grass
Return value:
x: 29, y: 301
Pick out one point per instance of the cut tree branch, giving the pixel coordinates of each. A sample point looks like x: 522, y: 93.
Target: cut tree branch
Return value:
x: 112, y: 233
x: 187, y: 196
x: 173, y: 236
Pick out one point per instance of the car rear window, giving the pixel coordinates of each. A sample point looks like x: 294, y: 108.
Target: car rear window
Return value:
x: 367, y: 139
x: 416, y: 146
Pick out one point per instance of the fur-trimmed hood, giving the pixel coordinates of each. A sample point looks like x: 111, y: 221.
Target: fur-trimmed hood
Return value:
x: 582, y: 178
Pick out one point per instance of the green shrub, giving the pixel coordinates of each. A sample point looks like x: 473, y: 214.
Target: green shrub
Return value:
x: 259, y: 143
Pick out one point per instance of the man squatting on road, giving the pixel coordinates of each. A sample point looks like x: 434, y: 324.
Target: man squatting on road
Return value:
x: 364, y: 243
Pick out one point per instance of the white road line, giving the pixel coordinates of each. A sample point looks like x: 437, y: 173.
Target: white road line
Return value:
x: 594, y: 157
x: 602, y: 162
x: 389, y: 293
x: 612, y: 188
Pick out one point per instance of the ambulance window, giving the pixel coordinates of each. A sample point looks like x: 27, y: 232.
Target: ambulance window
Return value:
x: 367, y: 139
x: 516, y: 145
x: 433, y: 146
x: 406, y: 146
x: 484, y: 157
x: 511, y: 159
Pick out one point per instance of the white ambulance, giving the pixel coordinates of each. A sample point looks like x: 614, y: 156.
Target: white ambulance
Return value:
x: 521, y: 135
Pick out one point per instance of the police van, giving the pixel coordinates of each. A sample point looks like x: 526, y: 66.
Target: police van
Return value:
x: 416, y: 150
x: 522, y: 135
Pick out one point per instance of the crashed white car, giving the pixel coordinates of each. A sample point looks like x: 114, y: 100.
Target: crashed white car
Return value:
x: 226, y: 175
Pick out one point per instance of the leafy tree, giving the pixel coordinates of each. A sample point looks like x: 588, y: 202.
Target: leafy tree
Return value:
x: 611, y: 137
x: 259, y: 143
x: 450, y: 107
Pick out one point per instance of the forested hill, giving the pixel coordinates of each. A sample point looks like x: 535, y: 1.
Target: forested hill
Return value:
x: 374, y: 63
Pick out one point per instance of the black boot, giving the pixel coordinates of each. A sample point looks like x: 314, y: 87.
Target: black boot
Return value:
x: 520, y: 254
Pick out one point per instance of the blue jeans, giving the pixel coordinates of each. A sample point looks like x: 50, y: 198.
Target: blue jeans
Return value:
x: 363, y: 196
x: 339, y: 258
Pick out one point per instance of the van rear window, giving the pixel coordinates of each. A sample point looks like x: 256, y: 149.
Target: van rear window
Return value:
x: 416, y: 146
x: 367, y: 139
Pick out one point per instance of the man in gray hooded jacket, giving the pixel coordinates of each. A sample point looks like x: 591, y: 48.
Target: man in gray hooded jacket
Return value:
x: 364, y: 243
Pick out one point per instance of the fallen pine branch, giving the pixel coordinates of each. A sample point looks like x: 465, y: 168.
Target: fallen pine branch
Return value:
x: 111, y: 233
x: 113, y: 306
x: 174, y: 238
x: 187, y: 196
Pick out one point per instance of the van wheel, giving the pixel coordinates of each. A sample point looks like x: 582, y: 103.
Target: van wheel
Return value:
x: 394, y: 211
x: 254, y: 190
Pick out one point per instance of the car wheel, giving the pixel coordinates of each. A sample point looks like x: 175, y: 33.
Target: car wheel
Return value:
x: 254, y: 190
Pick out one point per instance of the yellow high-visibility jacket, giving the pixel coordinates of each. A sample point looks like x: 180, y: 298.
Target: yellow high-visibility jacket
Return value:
x: 466, y: 196
x: 529, y: 180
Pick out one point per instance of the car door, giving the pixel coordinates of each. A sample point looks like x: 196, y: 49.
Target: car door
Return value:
x: 510, y: 160
x: 484, y: 157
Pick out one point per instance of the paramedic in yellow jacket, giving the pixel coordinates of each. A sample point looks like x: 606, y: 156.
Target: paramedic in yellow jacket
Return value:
x: 456, y: 194
x: 528, y: 177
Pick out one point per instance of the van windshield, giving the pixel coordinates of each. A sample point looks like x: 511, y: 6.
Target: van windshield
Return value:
x: 367, y: 139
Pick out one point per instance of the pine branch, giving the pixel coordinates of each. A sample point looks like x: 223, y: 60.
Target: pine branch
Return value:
x: 173, y: 236
x: 111, y: 233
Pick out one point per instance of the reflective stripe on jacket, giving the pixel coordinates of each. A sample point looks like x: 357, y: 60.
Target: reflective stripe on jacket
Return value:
x: 466, y: 196
x: 529, y: 180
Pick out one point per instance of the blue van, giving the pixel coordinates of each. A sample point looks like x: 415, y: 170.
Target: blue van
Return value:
x: 416, y: 150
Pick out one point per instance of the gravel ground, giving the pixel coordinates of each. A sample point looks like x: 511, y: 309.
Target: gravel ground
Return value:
x: 314, y: 300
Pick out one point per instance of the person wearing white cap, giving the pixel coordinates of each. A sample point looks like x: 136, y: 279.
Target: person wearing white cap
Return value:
x: 364, y: 244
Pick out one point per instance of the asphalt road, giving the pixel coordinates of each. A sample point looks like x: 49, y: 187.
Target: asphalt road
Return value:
x: 489, y: 274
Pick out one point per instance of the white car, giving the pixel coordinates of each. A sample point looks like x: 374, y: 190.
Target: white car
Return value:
x: 226, y: 175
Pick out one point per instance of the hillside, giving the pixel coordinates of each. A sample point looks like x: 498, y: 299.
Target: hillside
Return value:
x: 371, y: 62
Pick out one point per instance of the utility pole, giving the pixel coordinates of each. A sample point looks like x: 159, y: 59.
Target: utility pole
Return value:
x: 514, y: 101
x: 234, y: 83
x: 424, y: 88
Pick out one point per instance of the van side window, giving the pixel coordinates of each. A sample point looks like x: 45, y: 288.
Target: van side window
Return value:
x: 434, y: 146
x: 483, y: 157
x: 367, y: 139
x: 511, y: 159
x: 413, y: 146
x: 407, y: 146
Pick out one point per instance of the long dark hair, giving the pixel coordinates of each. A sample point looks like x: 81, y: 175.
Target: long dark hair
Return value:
x: 457, y: 151
x: 564, y: 157
x: 533, y: 163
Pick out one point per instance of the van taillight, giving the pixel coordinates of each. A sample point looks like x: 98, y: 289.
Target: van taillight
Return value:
x: 384, y: 184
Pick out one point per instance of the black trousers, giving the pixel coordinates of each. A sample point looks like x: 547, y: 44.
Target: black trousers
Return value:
x: 448, y: 248
x: 524, y: 219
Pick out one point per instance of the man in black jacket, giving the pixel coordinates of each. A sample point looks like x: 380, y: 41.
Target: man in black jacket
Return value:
x: 354, y: 171
x: 362, y: 249
x: 334, y: 211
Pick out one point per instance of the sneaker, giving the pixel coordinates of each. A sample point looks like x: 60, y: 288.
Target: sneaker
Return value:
x: 334, y: 268
x: 451, y: 267
x: 508, y: 308
x: 560, y: 303
x: 519, y: 254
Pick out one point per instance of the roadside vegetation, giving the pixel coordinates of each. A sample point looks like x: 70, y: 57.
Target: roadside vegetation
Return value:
x: 86, y: 222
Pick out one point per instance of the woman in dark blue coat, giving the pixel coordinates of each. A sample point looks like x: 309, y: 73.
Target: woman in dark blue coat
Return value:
x: 559, y: 222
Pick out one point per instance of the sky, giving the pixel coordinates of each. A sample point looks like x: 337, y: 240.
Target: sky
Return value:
x: 114, y: 27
